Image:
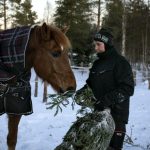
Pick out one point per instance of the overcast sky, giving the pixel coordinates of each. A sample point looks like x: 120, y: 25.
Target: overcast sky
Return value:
x: 40, y: 5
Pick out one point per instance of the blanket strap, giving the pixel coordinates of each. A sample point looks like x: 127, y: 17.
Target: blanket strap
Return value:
x: 5, y: 85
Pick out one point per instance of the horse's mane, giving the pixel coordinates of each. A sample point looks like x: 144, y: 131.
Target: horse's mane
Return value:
x: 60, y: 37
x: 55, y: 34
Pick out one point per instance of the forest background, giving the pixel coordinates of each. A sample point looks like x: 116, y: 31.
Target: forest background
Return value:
x: 128, y: 20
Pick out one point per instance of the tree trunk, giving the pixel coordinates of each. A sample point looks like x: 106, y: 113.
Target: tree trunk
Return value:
x: 124, y: 30
x: 134, y: 76
x: 149, y: 80
x: 91, y: 132
x: 147, y: 46
x: 5, y: 19
x: 99, y: 14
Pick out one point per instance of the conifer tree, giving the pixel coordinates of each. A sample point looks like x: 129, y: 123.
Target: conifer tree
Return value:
x: 77, y: 15
x: 97, y: 4
x: 113, y: 20
x: 137, y: 27
x: 23, y: 14
x: 137, y: 30
x: 4, y: 13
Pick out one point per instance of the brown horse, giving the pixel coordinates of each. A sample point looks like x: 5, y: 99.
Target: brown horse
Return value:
x: 46, y: 52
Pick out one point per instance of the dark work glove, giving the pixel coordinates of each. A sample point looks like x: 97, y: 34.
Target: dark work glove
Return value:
x: 80, y: 91
x: 85, y: 97
x: 103, y: 103
x: 98, y: 105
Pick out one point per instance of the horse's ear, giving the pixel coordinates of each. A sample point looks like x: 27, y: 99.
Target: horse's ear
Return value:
x: 45, y: 32
x: 65, y: 29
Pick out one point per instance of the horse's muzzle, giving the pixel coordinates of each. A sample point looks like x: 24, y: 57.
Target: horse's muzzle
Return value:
x: 68, y: 89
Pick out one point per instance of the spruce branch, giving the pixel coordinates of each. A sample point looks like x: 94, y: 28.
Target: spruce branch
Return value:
x: 59, y: 100
x: 85, y: 100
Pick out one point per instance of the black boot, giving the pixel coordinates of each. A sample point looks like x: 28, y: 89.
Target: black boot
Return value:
x: 116, y: 142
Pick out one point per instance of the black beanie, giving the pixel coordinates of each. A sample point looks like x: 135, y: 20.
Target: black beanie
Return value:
x: 103, y: 35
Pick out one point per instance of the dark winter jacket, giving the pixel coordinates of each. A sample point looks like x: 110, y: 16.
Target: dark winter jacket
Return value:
x: 111, y: 81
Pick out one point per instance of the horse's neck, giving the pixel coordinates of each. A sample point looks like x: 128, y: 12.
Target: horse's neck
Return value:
x: 31, y: 49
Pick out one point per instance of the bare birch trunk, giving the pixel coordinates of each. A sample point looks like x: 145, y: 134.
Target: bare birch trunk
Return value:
x: 148, y: 79
x: 146, y: 41
x: 124, y: 30
x: 99, y: 14
x: 134, y: 76
x: 145, y: 50
x: 4, y: 11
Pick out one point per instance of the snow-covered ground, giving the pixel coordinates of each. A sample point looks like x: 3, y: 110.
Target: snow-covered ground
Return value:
x: 43, y: 131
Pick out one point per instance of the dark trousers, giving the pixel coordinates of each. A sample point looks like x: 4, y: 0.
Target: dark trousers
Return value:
x: 116, y: 142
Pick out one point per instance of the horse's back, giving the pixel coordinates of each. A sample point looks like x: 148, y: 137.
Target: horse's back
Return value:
x: 13, y: 43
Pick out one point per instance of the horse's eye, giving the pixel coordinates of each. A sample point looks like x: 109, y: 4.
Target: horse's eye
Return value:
x: 56, y: 53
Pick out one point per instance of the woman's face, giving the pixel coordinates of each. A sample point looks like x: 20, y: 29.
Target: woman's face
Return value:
x: 99, y: 46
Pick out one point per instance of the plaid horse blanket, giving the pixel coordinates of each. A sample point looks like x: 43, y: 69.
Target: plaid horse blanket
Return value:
x: 13, y: 43
x: 17, y: 98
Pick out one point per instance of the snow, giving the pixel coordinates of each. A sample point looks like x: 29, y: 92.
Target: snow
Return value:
x: 43, y: 131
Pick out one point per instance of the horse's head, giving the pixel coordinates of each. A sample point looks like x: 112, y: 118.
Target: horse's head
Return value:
x: 49, y: 56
